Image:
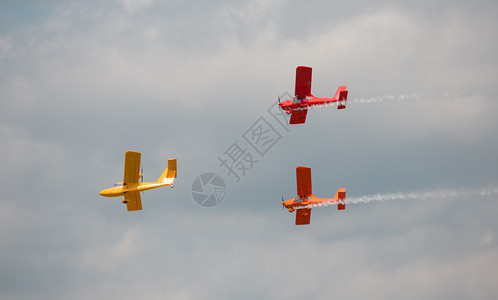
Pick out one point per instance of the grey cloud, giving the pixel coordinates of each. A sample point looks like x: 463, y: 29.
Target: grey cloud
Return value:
x: 83, y: 83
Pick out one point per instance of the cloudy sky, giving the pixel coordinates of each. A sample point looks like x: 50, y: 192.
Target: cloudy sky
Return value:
x: 82, y: 82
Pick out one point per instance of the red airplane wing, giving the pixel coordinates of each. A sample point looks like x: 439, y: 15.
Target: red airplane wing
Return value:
x: 298, y: 116
x: 303, y: 81
x: 303, y: 216
x: 303, y: 180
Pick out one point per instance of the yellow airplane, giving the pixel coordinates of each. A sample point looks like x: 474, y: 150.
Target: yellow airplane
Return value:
x: 130, y: 188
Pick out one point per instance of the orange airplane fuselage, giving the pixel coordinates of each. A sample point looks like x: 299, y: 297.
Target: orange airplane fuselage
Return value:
x: 299, y: 202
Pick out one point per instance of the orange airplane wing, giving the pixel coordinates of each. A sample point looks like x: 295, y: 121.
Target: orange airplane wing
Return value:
x: 133, y: 201
x: 303, y: 216
x: 303, y: 178
x: 132, y: 167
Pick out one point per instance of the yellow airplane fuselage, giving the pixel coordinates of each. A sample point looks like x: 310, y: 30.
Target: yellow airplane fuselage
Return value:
x: 132, y: 187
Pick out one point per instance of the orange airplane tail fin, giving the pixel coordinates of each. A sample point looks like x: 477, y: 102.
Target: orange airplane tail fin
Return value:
x: 341, y: 196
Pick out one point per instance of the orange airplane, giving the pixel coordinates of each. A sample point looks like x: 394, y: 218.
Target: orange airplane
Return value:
x: 305, y: 200
x: 130, y: 188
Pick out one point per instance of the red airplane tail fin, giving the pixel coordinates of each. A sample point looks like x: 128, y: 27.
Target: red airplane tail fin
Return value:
x: 341, y: 95
x: 341, y: 196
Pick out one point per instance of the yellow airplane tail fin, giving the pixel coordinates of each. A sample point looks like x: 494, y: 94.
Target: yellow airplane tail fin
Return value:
x: 169, y: 174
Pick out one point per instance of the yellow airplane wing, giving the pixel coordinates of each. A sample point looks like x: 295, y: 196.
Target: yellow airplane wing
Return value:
x: 134, y: 202
x: 132, y: 167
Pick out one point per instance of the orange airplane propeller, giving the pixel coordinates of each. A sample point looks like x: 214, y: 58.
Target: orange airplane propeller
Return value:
x: 305, y: 200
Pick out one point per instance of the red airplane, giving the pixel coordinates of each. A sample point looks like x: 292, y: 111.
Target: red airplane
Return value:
x: 298, y: 106
x: 305, y: 200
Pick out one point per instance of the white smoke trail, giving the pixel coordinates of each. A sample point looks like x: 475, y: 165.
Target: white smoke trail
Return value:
x: 427, y: 95
x: 440, y: 194
x: 442, y: 94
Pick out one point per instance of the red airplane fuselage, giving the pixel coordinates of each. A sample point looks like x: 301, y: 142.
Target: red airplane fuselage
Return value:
x: 310, y: 101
